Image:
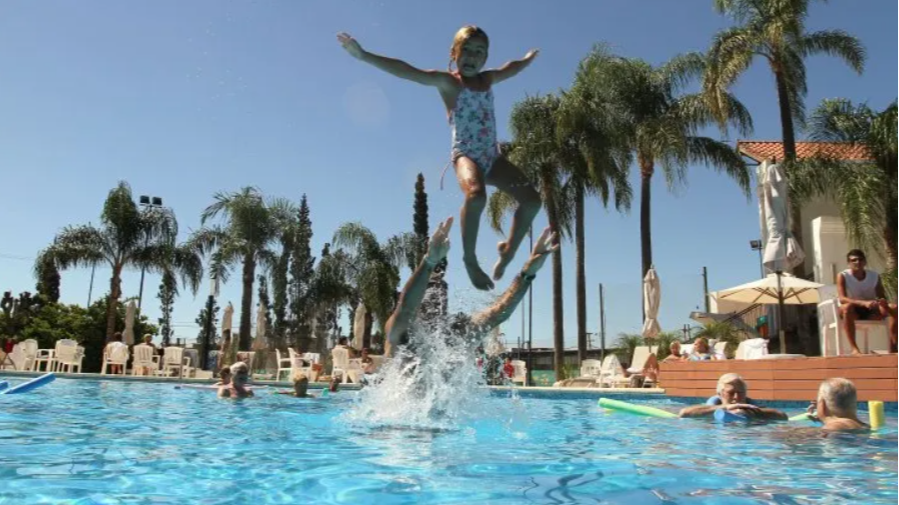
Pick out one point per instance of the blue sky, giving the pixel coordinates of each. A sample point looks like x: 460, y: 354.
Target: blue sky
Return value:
x: 183, y: 99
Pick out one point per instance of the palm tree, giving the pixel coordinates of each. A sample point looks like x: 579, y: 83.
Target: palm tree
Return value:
x: 597, y: 167
x: 658, y: 125
x: 247, y: 228
x: 538, y: 152
x: 865, y: 191
x: 128, y: 238
x: 775, y: 31
x: 374, y: 268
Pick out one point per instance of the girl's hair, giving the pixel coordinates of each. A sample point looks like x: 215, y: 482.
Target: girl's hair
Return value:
x: 465, y: 34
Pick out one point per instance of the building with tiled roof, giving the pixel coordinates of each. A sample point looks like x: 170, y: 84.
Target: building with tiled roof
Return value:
x: 761, y: 150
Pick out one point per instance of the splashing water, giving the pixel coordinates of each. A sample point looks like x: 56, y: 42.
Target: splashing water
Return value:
x: 432, y: 383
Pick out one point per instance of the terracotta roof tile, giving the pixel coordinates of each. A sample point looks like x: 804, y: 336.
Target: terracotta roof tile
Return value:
x: 763, y: 150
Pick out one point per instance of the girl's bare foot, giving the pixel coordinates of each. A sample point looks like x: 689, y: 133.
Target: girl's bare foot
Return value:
x: 505, y: 256
x: 857, y: 352
x: 479, y: 279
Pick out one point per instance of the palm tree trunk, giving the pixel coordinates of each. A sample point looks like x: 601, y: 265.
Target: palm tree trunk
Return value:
x: 246, y: 302
x: 647, y: 169
x: 115, y: 291
x: 789, y: 142
x: 889, y: 234
x: 558, y: 323
x: 580, y: 274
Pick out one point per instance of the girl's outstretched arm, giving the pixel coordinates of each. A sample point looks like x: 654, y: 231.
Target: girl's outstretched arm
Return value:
x: 512, y: 68
x: 394, y: 66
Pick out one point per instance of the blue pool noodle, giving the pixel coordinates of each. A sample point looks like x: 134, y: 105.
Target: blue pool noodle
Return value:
x: 31, y: 385
x: 724, y: 416
x: 3, y: 385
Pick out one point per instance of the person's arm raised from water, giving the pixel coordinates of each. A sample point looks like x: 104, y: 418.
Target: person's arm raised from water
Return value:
x: 394, y: 66
x: 414, y: 291
x: 503, y: 308
x: 512, y: 68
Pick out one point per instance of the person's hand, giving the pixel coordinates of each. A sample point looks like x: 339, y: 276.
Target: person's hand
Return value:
x: 533, y: 53
x: 439, y: 243
x: 351, y: 45
x: 873, y: 305
x: 546, y: 244
x: 750, y: 409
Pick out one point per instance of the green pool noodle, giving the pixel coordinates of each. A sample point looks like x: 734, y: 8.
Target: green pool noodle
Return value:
x: 630, y: 408
x: 801, y: 417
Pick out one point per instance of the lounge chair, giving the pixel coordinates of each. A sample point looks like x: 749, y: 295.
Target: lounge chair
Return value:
x: 610, y: 372
x: 145, y: 360
x: 115, y: 355
x: 638, y: 363
x: 591, y: 368
x: 753, y: 348
x: 67, y: 356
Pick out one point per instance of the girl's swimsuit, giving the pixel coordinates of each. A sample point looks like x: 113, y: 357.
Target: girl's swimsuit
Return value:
x: 474, y: 128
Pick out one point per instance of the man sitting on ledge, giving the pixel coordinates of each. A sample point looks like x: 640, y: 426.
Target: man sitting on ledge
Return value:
x: 731, y: 397
x: 863, y: 298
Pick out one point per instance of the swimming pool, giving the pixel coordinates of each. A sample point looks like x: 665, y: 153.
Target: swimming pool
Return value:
x: 91, y: 442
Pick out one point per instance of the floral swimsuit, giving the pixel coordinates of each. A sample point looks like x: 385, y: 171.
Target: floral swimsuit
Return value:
x: 474, y: 128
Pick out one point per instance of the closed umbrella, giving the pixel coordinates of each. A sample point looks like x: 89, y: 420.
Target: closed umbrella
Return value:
x: 652, y: 297
x: 782, y: 251
x: 227, y: 317
x: 130, y: 311
x: 359, y: 326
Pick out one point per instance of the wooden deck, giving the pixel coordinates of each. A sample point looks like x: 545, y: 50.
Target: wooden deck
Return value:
x: 875, y: 376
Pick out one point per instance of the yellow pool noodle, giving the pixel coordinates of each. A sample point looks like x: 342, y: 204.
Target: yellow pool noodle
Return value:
x: 875, y: 414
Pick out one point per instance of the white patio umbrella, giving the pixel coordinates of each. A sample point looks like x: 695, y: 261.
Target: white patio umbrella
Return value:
x: 359, y: 326
x: 777, y: 288
x: 225, y: 354
x: 652, y: 297
x: 782, y: 251
x: 128, y: 334
x: 227, y: 317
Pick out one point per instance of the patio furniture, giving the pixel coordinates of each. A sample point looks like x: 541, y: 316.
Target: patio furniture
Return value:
x: 521, y: 372
x: 145, y: 360
x: 610, y: 372
x: 870, y: 336
x: 115, y: 355
x: 303, y: 364
x: 341, y: 359
x: 174, y: 359
x: 67, y: 356
x: 591, y: 368
x: 22, y: 356
x: 281, y: 362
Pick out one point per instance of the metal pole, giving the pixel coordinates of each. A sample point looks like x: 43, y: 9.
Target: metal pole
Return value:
x: 530, y: 377
x: 761, y: 263
x: 705, y: 288
x: 602, y: 323
x: 780, y: 314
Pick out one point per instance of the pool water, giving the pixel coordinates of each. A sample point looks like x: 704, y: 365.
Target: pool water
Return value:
x: 91, y: 442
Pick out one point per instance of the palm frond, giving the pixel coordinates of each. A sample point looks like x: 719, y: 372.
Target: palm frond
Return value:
x: 835, y: 43
x: 81, y: 246
x: 499, y: 205
x: 721, y: 157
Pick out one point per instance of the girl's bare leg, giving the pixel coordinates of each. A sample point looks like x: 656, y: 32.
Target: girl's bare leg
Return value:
x: 510, y: 179
x: 472, y: 183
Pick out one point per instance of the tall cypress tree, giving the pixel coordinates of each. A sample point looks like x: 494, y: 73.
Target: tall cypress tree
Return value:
x: 265, y: 302
x: 168, y: 290
x: 420, y: 221
x: 302, y: 271
x: 203, y: 318
x: 48, y: 279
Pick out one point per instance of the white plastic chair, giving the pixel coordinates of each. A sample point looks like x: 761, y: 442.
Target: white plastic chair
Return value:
x: 174, y: 359
x: 303, y: 364
x: 521, y: 372
x: 641, y: 354
x: 719, y: 350
x: 610, y: 372
x: 870, y: 336
x: 67, y: 356
x: 145, y: 360
x: 341, y: 359
x: 591, y: 368
x: 115, y: 355
x: 281, y: 362
x: 22, y: 356
x: 753, y: 348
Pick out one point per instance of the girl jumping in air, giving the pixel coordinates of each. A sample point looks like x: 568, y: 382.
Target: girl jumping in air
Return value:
x: 468, y: 97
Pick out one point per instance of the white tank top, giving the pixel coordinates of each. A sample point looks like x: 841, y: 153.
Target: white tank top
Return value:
x: 861, y: 290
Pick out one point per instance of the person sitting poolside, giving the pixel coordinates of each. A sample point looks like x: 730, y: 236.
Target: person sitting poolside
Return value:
x: 240, y: 375
x: 837, y: 406
x: 701, y: 350
x: 111, y: 347
x: 675, y: 354
x: 863, y: 298
x: 732, y: 394
x: 300, y: 387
